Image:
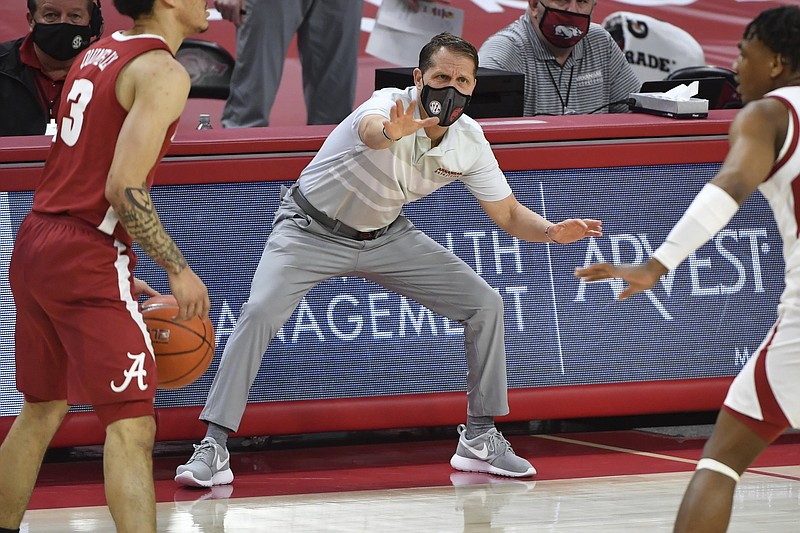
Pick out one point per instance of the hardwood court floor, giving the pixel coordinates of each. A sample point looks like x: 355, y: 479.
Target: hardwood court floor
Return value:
x: 608, y: 481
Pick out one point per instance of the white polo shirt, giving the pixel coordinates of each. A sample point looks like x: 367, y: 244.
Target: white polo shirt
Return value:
x: 366, y: 189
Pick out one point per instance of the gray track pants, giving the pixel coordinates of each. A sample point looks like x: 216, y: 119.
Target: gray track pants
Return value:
x: 300, y: 253
x: 328, y: 35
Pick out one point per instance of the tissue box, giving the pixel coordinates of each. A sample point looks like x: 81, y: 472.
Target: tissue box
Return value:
x: 668, y: 106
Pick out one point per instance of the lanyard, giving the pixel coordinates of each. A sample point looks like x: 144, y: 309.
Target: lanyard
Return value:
x: 564, y: 103
x: 49, y: 104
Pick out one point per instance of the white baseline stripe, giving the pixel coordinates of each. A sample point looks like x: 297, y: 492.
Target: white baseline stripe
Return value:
x: 617, y: 449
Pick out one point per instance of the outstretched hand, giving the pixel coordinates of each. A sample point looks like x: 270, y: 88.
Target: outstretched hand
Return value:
x: 639, y: 277
x: 574, y: 229
x: 402, y: 122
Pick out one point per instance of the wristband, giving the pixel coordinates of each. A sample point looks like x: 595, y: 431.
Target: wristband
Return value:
x: 387, y: 137
x: 547, y: 233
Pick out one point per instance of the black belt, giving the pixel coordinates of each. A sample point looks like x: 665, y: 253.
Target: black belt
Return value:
x: 334, y: 226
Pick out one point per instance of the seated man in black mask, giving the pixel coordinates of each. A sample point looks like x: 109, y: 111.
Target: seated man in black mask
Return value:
x: 33, y: 68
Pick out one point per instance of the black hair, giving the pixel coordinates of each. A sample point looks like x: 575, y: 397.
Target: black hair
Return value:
x: 134, y: 8
x: 454, y: 43
x: 779, y: 29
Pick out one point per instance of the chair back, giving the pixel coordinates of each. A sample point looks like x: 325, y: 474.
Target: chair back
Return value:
x: 209, y: 66
x: 729, y: 98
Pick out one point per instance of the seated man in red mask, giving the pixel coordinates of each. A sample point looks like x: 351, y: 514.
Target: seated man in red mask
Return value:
x: 571, y: 65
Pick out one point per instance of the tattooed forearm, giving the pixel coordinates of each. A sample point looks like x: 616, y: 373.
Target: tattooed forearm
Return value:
x: 139, y: 218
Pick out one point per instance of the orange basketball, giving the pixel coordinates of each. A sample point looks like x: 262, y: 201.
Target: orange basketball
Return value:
x: 183, y: 349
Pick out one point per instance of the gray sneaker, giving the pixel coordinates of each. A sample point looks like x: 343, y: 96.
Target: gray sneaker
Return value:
x: 210, y: 464
x: 490, y: 453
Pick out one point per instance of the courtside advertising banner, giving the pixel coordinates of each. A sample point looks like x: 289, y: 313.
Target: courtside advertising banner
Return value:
x: 352, y: 338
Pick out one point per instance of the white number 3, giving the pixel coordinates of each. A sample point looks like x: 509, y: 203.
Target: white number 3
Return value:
x: 78, y: 98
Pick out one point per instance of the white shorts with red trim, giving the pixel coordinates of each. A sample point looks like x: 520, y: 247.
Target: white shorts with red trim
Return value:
x: 767, y: 388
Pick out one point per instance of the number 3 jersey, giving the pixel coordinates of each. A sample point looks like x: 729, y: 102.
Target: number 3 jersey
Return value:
x: 89, y: 121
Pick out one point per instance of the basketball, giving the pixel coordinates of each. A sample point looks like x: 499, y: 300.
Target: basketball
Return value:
x: 183, y: 350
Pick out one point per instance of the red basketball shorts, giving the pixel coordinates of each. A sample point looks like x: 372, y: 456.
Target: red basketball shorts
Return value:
x: 79, y: 333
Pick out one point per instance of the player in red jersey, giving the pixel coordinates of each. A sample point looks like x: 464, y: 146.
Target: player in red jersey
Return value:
x: 79, y: 335
x: 764, y: 154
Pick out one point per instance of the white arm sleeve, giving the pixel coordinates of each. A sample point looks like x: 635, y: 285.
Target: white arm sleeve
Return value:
x: 710, y: 211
